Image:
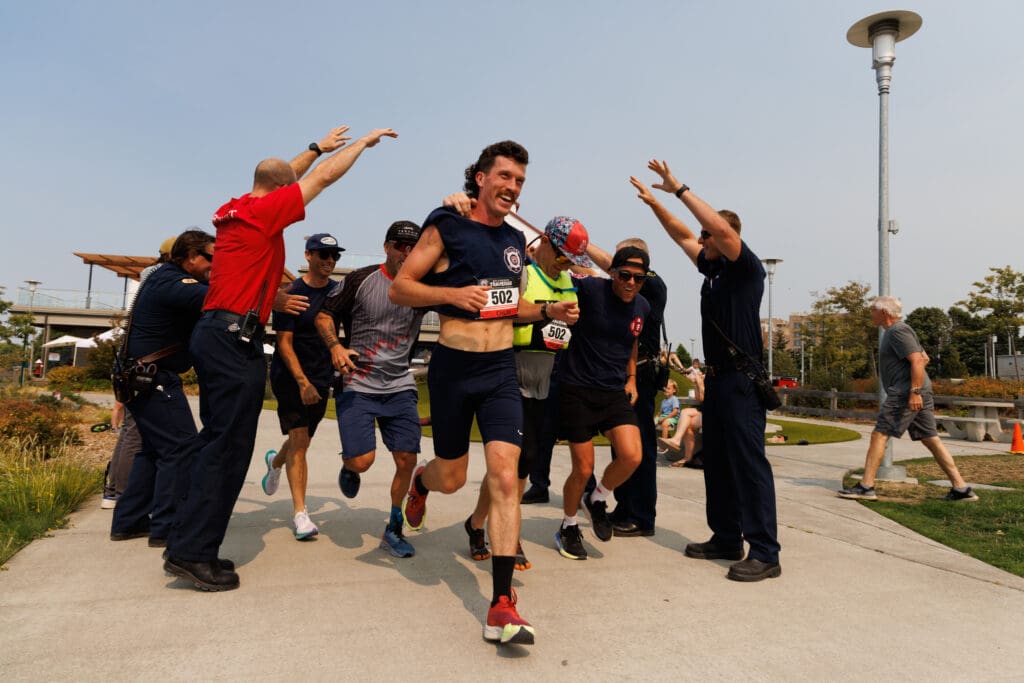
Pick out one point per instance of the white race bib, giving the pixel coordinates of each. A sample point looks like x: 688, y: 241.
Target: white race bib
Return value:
x: 556, y: 334
x: 502, y: 299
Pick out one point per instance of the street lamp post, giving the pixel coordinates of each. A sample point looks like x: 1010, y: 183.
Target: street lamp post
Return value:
x: 881, y: 32
x: 693, y: 347
x: 769, y: 266
x: 27, y: 362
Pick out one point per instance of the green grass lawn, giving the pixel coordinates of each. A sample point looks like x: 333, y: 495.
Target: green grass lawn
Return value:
x: 811, y: 433
x: 991, y: 529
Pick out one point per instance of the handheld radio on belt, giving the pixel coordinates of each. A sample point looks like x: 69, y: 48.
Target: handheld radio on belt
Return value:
x: 246, y: 329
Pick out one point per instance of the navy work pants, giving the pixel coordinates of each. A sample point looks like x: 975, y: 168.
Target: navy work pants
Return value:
x: 232, y: 376
x: 166, y: 427
x: 637, y: 497
x: 738, y: 479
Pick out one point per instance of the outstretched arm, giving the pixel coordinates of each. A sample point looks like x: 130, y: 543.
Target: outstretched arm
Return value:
x: 331, y: 169
x: 335, y: 139
x: 676, y: 229
x: 727, y: 239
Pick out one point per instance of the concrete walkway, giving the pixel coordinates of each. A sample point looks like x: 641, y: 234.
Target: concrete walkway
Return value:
x: 859, y: 596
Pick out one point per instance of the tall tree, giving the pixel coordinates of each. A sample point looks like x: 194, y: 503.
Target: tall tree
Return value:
x: 968, y: 336
x: 783, y: 364
x: 684, y: 354
x: 844, y: 338
x: 934, y: 329
x: 999, y: 300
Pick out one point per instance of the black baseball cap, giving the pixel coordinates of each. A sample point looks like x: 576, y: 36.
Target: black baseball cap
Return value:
x: 403, y: 231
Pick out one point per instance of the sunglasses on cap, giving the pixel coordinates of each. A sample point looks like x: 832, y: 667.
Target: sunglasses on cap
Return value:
x: 627, y: 275
x: 560, y: 256
x: 326, y: 254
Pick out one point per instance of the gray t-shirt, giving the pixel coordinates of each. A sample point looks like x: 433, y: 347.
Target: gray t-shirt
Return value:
x: 382, y: 332
x: 898, y: 342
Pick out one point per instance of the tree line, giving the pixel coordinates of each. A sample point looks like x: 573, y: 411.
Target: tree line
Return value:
x: 840, y: 343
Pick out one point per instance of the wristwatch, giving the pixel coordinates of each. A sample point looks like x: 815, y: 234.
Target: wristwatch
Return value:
x: 916, y: 391
x: 544, y: 311
x: 681, y: 190
x: 313, y: 147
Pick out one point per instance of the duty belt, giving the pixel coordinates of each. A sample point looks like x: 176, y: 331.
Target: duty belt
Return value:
x: 221, y: 314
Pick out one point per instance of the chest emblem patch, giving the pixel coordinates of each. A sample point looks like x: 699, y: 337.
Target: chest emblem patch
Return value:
x: 513, y: 260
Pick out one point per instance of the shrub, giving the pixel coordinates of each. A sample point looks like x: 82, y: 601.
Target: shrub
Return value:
x: 37, y: 426
x: 67, y: 378
x: 101, y: 358
x: 979, y: 387
x: 37, y: 494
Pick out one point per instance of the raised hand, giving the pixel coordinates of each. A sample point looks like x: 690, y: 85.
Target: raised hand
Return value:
x: 668, y: 181
x: 642, y: 191
x: 374, y: 136
x: 335, y: 139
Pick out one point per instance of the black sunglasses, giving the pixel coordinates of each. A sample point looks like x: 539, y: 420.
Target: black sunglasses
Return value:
x: 325, y: 254
x: 627, y: 275
x: 208, y: 257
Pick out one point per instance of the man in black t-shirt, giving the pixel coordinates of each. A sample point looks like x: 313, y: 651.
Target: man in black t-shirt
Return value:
x: 738, y: 479
x: 597, y: 392
x: 300, y: 376
x: 637, y: 497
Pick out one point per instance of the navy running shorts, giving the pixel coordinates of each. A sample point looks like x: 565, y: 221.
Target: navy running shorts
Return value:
x: 395, y: 415
x: 464, y: 384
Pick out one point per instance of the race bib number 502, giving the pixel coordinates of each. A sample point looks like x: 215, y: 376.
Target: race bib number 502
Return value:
x: 502, y: 299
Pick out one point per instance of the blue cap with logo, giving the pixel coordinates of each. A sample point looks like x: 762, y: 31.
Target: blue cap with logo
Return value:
x: 322, y: 241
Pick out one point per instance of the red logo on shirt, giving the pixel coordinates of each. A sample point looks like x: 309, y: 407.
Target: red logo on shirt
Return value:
x: 636, y: 326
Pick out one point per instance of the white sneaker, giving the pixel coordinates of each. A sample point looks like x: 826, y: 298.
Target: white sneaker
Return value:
x: 273, y: 476
x: 304, y: 527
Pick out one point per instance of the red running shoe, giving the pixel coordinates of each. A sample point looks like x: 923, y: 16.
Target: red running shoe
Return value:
x: 504, y: 624
x: 415, y: 504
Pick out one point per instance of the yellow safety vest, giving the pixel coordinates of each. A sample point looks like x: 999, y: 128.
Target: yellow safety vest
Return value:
x: 540, y: 288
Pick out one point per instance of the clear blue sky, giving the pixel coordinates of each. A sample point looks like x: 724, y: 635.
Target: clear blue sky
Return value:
x: 126, y: 122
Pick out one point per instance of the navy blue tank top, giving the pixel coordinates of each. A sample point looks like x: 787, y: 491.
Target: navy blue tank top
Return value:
x: 479, y: 254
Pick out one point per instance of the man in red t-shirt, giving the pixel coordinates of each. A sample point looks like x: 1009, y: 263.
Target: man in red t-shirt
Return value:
x: 227, y: 347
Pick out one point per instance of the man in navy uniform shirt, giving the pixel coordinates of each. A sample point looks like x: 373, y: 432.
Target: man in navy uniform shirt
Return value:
x: 738, y: 481
x: 166, y: 309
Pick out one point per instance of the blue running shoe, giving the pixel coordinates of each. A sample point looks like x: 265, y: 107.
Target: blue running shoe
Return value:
x: 394, y: 542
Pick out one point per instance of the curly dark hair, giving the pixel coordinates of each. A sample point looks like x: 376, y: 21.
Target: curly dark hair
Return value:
x: 505, y: 148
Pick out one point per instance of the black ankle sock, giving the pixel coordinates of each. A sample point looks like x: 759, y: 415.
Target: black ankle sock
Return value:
x: 502, y: 568
x: 420, y: 488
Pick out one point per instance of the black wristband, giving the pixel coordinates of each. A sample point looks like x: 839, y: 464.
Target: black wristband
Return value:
x: 544, y: 311
x: 313, y: 147
x: 681, y: 190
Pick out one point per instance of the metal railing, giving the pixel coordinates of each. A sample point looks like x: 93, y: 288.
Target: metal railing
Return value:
x: 70, y: 298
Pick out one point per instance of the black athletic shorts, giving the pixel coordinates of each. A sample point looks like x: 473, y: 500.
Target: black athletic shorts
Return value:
x: 291, y: 412
x: 586, y: 411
